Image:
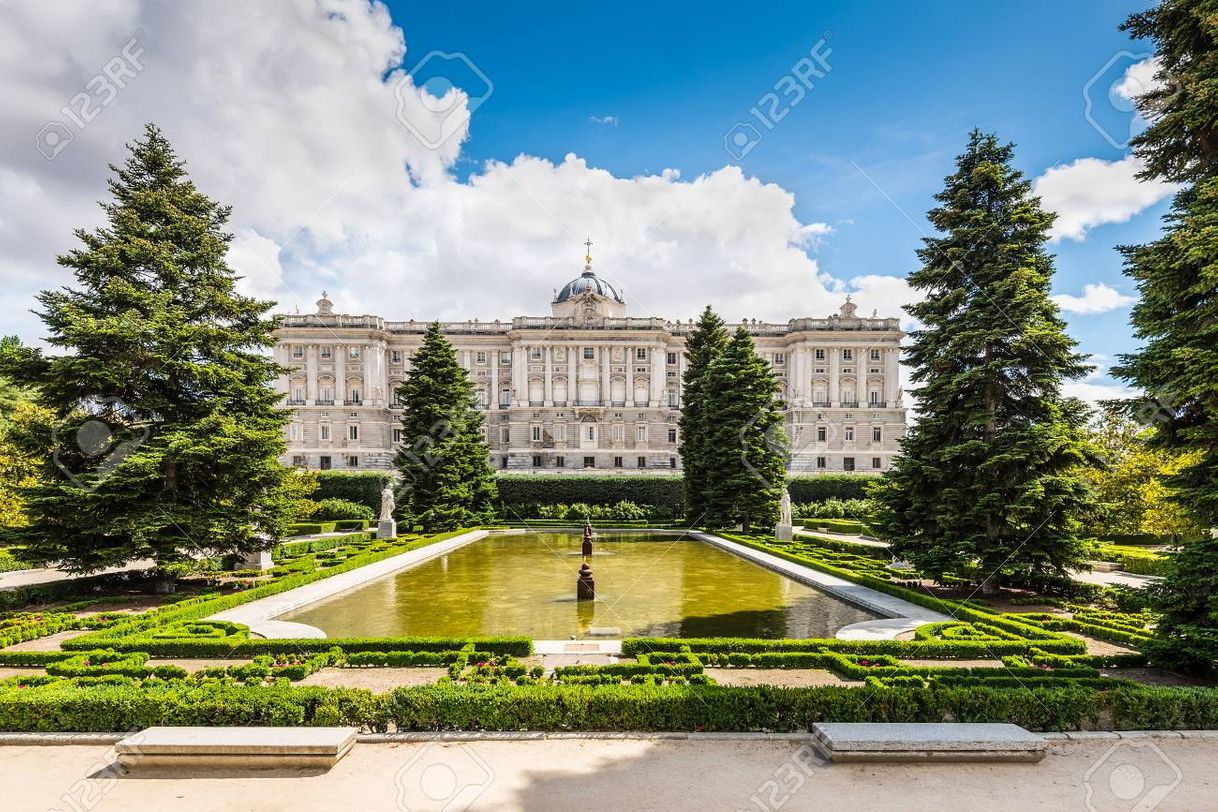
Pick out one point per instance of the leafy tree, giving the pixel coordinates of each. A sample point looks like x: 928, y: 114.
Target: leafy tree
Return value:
x: 1177, y: 314
x: 989, y: 475
x: 166, y: 430
x: 1129, y: 488
x: 746, y: 447
x: 706, y: 342
x: 447, y: 481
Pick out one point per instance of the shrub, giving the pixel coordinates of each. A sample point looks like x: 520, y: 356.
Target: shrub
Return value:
x: 522, y: 493
x: 332, y: 509
x: 820, y: 487
x: 362, y: 487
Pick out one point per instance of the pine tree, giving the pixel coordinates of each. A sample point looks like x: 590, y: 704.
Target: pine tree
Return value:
x: 990, y: 474
x: 746, y: 447
x: 1177, y: 314
x: 447, y: 481
x: 706, y: 342
x: 169, y: 431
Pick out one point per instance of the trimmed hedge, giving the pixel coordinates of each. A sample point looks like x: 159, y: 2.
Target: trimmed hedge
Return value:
x: 819, y: 487
x: 519, y: 493
x: 363, y: 487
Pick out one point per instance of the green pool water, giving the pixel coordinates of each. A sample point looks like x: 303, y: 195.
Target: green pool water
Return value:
x: 650, y: 585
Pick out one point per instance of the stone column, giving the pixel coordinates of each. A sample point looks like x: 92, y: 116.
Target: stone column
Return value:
x: 520, y: 375
x: 311, y: 374
x: 659, y: 374
x: 340, y: 373
x: 492, y: 356
x: 835, y: 366
x: 366, y: 353
x: 548, y: 353
x: 606, y: 385
x: 892, y: 376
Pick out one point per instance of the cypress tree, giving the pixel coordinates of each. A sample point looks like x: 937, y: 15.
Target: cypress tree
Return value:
x: 746, y: 448
x: 169, y: 431
x: 1177, y: 314
x: 990, y: 474
x: 706, y: 342
x: 444, y: 462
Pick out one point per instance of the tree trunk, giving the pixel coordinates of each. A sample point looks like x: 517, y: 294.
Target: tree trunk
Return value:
x: 165, y: 583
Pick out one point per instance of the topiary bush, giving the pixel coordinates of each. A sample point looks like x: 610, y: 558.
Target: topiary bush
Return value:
x: 333, y: 509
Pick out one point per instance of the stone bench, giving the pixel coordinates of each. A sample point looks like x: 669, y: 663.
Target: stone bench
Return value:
x: 236, y: 747
x: 864, y: 741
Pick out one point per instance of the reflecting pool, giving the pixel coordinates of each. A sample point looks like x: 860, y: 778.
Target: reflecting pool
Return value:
x: 646, y: 585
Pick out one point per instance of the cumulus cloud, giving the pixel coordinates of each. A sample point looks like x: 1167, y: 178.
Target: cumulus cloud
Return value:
x: 1090, y: 192
x: 609, y: 121
x: 1096, y: 298
x: 1139, y: 79
x: 339, y: 171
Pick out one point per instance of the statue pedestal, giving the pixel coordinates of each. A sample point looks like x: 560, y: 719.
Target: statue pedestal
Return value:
x: 783, y: 532
x: 258, y: 560
x: 387, y: 529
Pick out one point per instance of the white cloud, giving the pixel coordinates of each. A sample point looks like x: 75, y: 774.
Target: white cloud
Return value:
x: 1096, y: 298
x: 288, y: 111
x: 1139, y: 79
x: 1090, y: 192
x: 609, y: 121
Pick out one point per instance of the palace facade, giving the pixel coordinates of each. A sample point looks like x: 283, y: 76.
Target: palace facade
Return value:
x: 587, y: 387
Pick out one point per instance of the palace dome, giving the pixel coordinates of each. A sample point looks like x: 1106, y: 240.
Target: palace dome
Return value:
x: 588, y: 281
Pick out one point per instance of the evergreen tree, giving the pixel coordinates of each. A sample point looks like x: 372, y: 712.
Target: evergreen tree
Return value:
x: 706, y: 342
x: 168, y: 430
x: 447, y: 481
x: 746, y: 449
x: 1177, y: 314
x: 991, y: 471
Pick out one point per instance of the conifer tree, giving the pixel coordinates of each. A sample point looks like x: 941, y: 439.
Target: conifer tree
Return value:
x: 990, y: 473
x: 1176, y: 317
x: 447, y: 481
x: 168, y: 431
x: 746, y: 448
x: 706, y: 342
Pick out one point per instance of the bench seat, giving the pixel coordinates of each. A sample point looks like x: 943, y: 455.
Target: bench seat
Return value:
x: 236, y: 747
x: 882, y: 741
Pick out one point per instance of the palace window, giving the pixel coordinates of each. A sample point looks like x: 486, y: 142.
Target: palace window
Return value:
x: 820, y: 355
x: 875, y: 462
x: 352, y: 432
x: 395, y: 356
x: 780, y: 358
x: 299, y: 461
x: 537, y: 461
x: 397, y: 436
x: 672, y: 435
x: 353, y: 352
x: 298, y: 395
x: 640, y: 354
x: 640, y: 434
x: 589, y: 353
x: 589, y: 462
x: 479, y: 358
x: 294, y: 431
x: 323, y: 432
x: 560, y: 462
x: 672, y: 462
x: 298, y: 352
x: 535, y: 353
x: 536, y: 433
x: 617, y: 462
x: 875, y: 355
x: 323, y: 463
x: 619, y: 432
x: 674, y: 399
x: 353, y: 462
x: 820, y: 434
x: 820, y: 462
x: 642, y: 462
x: 560, y: 432
x: 847, y: 463
x: 877, y: 434
x: 327, y: 352
x: 847, y: 355
x: 505, y: 434
x: 672, y: 358
x: 505, y: 359
x: 849, y: 432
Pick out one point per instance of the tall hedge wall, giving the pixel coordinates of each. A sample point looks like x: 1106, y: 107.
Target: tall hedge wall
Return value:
x: 363, y: 487
x: 819, y: 487
x: 518, y: 490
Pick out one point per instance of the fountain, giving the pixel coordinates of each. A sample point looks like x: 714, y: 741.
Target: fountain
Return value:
x: 585, y: 587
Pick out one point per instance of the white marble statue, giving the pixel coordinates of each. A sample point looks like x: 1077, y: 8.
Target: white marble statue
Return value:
x: 786, y: 506
x: 387, y: 504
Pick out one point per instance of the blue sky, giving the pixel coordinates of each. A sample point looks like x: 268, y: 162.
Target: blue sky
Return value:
x: 314, y: 120
x: 907, y: 82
